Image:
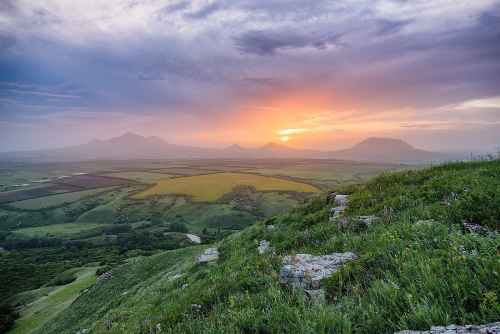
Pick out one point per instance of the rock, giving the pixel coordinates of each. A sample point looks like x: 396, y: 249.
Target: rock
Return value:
x: 335, y: 213
x: 83, y: 331
x: 196, y: 307
x: 210, y: 254
x: 105, y: 276
x: 270, y: 227
x: 306, y: 271
x: 193, y: 238
x: 493, y: 328
x: 465, y: 252
x: 368, y: 220
x: 341, y: 200
x: 264, y: 246
x: 475, y: 228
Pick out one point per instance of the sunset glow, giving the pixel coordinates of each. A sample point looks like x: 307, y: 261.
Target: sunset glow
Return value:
x: 218, y: 73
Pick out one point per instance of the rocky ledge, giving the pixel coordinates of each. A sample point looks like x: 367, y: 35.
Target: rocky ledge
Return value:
x: 493, y: 328
x: 210, y: 255
x: 306, y: 271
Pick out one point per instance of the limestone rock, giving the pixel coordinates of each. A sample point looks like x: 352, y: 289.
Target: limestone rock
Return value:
x: 493, y: 328
x: 306, y: 271
x: 341, y: 200
x: 264, y: 246
x: 475, y: 228
x: 105, y: 276
x: 194, y: 238
x: 368, y: 220
x: 210, y: 254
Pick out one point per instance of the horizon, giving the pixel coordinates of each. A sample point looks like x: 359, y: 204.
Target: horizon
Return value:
x: 278, y: 144
x: 323, y: 75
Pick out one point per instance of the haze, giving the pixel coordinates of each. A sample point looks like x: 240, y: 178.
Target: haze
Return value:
x: 314, y: 74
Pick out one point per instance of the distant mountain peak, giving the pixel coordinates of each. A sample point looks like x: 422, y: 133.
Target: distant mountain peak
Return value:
x: 384, y: 142
x: 274, y: 146
x: 234, y: 147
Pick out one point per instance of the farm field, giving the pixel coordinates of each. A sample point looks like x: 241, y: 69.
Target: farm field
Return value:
x: 57, y: 200
x: 48, y: 306
x: 185, y: 171
x: 339, y: 171
x: 209, y: 188
x: 143, y: 177
x: 56, y: 230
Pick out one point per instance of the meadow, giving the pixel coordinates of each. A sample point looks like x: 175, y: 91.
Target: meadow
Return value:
x: 56, y: 230
x: 57, y: 200
x: 47, y: 306
x: 210, y: 187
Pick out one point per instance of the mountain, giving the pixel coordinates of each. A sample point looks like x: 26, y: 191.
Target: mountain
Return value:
x: 388, y: 150
x: 133, y: 146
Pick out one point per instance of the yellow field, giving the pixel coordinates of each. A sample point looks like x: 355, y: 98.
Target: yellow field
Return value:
x: 208, y: 188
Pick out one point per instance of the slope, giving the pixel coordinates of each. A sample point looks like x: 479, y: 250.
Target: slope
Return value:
x: 416, y: 267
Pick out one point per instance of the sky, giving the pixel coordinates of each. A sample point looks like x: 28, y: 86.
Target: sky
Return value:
x: 320, y: 74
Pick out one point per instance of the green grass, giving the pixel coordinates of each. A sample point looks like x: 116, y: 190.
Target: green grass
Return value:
x: 408, y: 275
x: 56, y: 230
x: 48, y: 306
x: 57, y: 200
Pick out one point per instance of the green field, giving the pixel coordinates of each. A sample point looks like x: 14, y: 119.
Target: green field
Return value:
x: 57, y: 200
x: 209, y: 188
x: 144, y: 177
x: 45, y: 308
x: 56, y: 230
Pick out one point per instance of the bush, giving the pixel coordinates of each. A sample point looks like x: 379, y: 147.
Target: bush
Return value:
x: 7, y: 317
x: 178, y: 227
x: 64, y: 278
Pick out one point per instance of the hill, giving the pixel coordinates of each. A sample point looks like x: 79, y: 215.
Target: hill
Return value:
x: 431, y: 258
x: 133, y: 146
x: 389, y: 150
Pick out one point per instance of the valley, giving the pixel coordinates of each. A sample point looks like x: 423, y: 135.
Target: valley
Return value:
x: 100, y: 214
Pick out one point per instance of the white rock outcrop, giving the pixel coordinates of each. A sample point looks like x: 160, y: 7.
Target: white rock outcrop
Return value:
x: 210, y: 255
x: 193, y: 238
x: 493, y: 328
x: 305, y: 271
x: 264, y: 246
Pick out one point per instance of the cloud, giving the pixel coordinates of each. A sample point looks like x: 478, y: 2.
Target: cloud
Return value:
x: 386, y: 27
x: 487, y: 103
x: 264, y: 43
x: 212, y: 58
x: 204, y: 11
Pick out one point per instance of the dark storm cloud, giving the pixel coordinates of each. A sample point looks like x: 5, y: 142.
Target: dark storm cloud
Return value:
x: 385, y: 27
x: 205, y: 11
x: 169, y: 9
x: 266, y: 43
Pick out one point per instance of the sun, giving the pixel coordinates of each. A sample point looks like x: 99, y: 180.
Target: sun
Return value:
x: 285, y: 139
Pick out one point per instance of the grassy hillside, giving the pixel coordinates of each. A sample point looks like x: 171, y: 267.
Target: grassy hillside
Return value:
x: 410, y: 274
